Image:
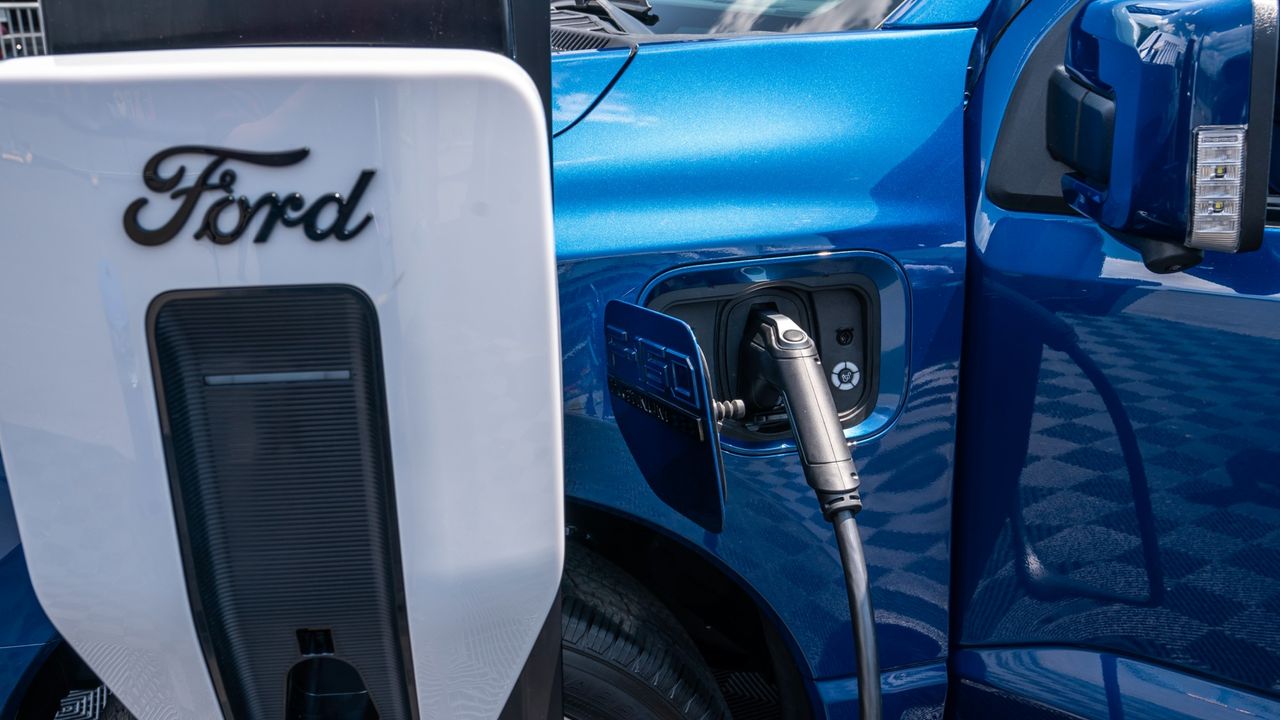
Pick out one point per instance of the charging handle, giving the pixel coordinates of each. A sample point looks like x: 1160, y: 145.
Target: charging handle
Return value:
x: 780, y: 363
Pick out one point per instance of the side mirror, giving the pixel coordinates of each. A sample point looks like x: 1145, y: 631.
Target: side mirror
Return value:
x: 1163, y: 110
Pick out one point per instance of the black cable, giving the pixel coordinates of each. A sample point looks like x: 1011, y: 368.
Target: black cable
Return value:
x: 858, y: 585
x: 779, y: 358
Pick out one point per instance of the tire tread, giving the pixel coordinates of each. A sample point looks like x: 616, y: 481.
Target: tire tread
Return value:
x: 610, y: 616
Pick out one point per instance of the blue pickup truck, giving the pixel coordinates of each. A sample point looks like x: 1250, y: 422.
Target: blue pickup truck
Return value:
x: 1029, y: 242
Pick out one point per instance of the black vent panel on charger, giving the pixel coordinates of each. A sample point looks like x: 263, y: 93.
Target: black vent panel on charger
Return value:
x: 274, y: 414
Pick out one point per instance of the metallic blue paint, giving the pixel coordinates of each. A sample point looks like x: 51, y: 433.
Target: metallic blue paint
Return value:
x: 1171, y: 66
x: 989, y: 17
x: 22, y: 622
x: 913, y: 692
x: 724, y: 151
x: 26, y: 634
x: 1103, y: 686
x: 1170, y: 554
x: 578, y: 79
x: 938, y: 13
x: 17, y: 668
x: 709, y: 146
x: 929, y: 13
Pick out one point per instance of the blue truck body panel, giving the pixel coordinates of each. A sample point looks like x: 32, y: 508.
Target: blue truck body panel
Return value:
x: 25, y: 633
x: 1192, y: 359
x: 578, y: 80
x: 1103, y: 686
x: 722, y: 147
x: 908, y: 692
x: 716, y: 151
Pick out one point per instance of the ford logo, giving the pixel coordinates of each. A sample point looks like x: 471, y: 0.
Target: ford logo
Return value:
x: 229, y: 216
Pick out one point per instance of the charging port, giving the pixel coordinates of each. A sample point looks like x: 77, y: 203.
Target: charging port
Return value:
x: 840, y: 312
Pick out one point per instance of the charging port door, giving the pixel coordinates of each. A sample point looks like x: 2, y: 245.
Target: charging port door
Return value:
x: 659, y: 388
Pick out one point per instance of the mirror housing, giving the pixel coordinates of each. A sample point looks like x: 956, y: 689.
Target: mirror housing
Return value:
x: 1163, y: 110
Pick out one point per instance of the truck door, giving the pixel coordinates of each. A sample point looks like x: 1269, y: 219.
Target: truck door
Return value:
x: 1118, y: 512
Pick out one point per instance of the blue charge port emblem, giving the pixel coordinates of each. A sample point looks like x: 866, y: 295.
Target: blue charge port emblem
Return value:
x: 660, y: 395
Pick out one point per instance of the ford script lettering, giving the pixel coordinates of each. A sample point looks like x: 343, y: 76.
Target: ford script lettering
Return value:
x: 229, y: 216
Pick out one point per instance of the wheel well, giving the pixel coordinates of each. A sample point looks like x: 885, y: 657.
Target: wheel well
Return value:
x: 731, y: 630
x: 59, y: 672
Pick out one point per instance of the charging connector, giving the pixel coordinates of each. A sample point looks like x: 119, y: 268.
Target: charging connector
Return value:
x: 780, y: 364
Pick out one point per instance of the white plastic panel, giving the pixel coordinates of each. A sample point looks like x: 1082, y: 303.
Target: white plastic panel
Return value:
x: 458, y: 260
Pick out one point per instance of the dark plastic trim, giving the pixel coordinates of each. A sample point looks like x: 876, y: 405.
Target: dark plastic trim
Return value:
x: 515, y: 28
x: 199, y: 618
x: 1080, y: 126
x: 1024, y: 176
x: 1262, y: 95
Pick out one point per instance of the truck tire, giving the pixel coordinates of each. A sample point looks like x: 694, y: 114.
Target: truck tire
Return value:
x: 625, y: 655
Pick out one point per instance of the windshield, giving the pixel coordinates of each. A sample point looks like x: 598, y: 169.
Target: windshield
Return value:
x: 649, y: 18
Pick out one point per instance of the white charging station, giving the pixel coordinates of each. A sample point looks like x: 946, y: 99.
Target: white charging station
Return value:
x: 425, y: 175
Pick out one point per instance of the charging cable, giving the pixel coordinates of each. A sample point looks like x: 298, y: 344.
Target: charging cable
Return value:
x: 780, y: 359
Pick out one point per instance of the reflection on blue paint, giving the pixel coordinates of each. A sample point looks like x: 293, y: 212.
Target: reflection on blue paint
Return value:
x: 1103, y: 686
x: 1194, y: 361
x: 22, y: 622
x: 917, y: 692
x: 578, y: 79
x: 719, y: 152
x: 24, y: 630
